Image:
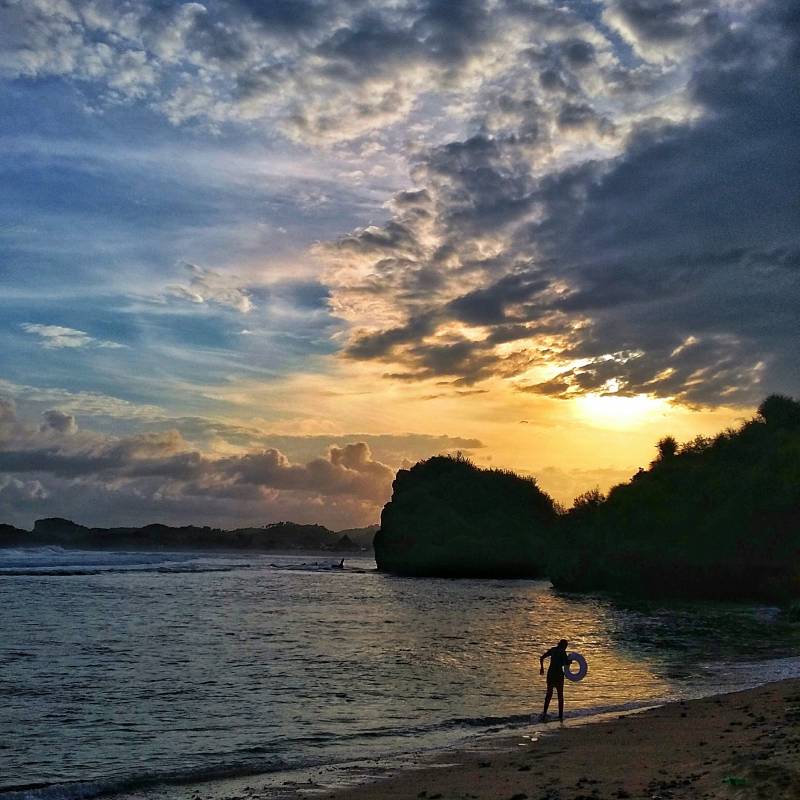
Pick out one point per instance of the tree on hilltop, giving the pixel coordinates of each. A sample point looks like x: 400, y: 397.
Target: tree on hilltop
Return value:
x: 780, y: 411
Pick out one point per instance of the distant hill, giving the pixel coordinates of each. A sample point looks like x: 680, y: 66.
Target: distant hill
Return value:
x: 274, y: 537
x: 712, y: 518
x: 361, y: 537
x: 11, y: 536
x: 448, y: 517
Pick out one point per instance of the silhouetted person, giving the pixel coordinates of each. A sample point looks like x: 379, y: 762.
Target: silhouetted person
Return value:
x: 555, y: 676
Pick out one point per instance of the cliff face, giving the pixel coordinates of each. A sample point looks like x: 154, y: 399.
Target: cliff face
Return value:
x: 714, y: 518
x: 450, y: 518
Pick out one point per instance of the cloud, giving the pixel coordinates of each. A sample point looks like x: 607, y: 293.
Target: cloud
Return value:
x: 208, y: 286
x: 392, y: 449
x: 660, y: 30
x: 191, y: 469
x: 8, y: 411
x: 56, y: 337
x: 349, y: 470
x: 344, y: 470
x: 15, y: 493
x: 161, y: 464
x: 94, y: 404
x: 660, y: 259
x: 324, y: 72
x: 58, y: 421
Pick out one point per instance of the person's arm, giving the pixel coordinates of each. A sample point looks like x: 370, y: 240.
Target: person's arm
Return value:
x: 542, y: 657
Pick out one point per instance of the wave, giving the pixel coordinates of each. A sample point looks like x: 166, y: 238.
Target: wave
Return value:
x: 86, y: 790
x: 94, y: 570
x: 490, y: 723
x: 316, y: 566
x: 64, y: 562
x: 29, y: 552
x: 59, y: 561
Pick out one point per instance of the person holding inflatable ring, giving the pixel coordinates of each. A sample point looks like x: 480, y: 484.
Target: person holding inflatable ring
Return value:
x: 559, y: 661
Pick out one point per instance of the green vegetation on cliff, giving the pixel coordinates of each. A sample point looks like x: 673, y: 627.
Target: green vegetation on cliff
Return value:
x: 714, y: 518
x: 448, y: 517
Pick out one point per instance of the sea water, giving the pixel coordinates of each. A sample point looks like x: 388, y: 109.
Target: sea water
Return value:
x: 122, y: 672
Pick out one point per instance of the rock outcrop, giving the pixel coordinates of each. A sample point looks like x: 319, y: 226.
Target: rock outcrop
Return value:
x: 449, y: 518
x: 713, y: 518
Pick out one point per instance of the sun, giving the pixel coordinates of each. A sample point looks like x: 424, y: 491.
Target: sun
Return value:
x: 619, y: 411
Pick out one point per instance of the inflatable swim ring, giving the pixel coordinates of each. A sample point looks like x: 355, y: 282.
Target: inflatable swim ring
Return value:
x: 583, y: 667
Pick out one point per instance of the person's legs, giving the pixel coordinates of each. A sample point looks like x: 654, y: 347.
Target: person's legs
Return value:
x: 560, y: 690
x: 547, y: 698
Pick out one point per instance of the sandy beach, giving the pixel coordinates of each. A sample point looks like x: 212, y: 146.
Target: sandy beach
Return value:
x: 740, y: 745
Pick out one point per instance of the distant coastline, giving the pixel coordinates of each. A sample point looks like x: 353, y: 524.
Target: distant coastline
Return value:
x: 713, y: 518
x: 278, y: 536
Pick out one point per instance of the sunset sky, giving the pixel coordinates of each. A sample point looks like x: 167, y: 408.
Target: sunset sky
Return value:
x: 255, y: 256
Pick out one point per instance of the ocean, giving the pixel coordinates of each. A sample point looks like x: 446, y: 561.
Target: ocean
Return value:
x: 150, y: 673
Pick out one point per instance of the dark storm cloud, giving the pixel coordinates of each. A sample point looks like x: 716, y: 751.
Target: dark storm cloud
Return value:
x: 691, y: 231
x: 480, y: 182
x: 461, y: 358
x: 437, y: 31
x: 370, y: 43
x: 286, y: 15
x: 609, y: 181
x: 470, y: 360
x: 578, y: 52
x: 670, y: 268
x: 660, y: 21
x: 489, y: 306
x: 59, y: 421
x: 380, y: 344
x: 389, y: 239
x: 581, y: 115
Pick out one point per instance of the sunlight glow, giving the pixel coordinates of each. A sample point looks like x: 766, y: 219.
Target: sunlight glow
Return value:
x: 619, y: 412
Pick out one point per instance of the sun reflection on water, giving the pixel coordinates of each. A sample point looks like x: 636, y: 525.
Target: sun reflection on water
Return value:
x: 263, y: 664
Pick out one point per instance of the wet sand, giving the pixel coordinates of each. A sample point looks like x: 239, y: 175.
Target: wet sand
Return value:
x: 740, y: 745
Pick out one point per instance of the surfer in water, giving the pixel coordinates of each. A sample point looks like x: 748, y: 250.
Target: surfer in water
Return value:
x: 555, y: 676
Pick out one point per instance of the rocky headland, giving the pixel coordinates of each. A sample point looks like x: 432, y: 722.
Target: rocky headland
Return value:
x: 713, y: 518
x: 448, y: 517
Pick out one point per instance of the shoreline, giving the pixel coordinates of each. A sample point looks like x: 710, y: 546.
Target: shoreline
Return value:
x: 678, y: 750
x: 739, y: 744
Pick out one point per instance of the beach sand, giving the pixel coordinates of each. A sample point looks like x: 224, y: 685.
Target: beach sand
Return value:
x: 740, y: 745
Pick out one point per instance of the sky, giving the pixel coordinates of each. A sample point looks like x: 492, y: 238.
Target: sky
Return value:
x: 255, y: 256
